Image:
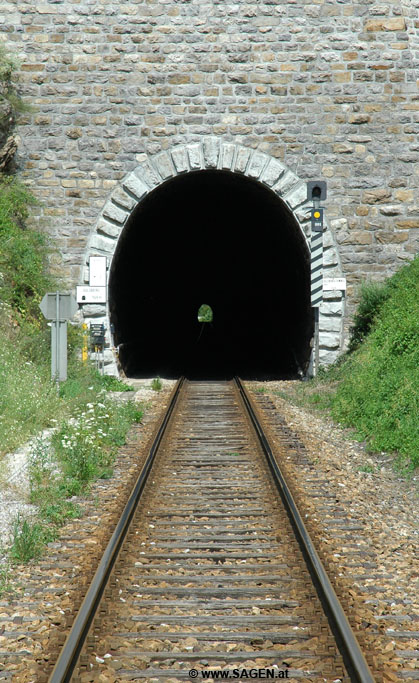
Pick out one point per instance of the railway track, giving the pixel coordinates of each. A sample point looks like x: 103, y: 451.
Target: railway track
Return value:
x: 213, y: 571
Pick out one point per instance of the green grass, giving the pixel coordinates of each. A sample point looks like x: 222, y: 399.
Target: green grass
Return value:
x: 156, y: 384
x: 28, y: 398
x: 81, y: 451
x: 378, y: 391
x: 6, y: 578
x: 29, y: 539
x: 374, y: 388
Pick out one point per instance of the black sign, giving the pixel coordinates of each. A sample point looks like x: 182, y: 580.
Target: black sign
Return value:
x: 317, y: 220
x: 97, y: 334
x: 316, y: 189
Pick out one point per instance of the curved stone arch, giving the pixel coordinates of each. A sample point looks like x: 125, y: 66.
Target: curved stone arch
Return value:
x: 215, y: 154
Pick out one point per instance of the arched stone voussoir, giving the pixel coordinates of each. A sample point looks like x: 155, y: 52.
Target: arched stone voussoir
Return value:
x: 286, y: 183
x: 211, y: 154
x: 180, y: 159
x: 147, y: 171
x: 164, y: 165
x: 297, y: 196
x: 211, y: 148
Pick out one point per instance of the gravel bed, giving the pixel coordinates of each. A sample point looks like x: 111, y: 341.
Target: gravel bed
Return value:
x: 47, y: 593
x: 367, y: 521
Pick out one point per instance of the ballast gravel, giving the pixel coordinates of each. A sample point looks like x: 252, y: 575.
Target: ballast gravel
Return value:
x: 366, y: 523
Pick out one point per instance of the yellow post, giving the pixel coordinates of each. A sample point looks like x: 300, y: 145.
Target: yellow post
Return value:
x: 85, y: 347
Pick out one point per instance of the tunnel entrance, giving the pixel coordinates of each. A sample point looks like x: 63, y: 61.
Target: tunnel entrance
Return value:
x: 222, y: 239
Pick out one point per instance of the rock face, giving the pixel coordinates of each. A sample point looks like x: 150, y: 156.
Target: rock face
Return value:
x: 325, y: 90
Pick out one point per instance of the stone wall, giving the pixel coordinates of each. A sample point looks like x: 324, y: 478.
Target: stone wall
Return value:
x: 328, y: 88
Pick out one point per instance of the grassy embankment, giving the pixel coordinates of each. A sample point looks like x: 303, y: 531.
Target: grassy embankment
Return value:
x: 89, y: 426
x: 374, y: 387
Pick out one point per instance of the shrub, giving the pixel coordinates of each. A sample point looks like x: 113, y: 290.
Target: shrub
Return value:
x: 24, y: 254
x: 156, y: 384
x: 29, y: 539
x: 378, y: 394
x: 373, y: 295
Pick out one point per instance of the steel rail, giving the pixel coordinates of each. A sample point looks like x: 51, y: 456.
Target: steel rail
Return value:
x: 351, y: 652
x: 74, y: 642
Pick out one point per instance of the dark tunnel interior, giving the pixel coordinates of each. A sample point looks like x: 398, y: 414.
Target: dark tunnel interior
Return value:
x: 220, y: 239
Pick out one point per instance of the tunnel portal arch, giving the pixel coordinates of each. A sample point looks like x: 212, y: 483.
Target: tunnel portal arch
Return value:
x: 260, y: 205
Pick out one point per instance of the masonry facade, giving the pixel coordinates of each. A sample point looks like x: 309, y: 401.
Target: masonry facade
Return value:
x: 327, y: 89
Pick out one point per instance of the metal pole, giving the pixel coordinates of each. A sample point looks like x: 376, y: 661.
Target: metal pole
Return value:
x: 316, y: 286
x: 57, y: 332
x: 316, y: 342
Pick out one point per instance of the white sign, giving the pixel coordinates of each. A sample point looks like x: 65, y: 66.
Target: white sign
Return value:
x: 334, y: 283
x: 58, y: 305
x: 91, y: 295
x: 97, y: 271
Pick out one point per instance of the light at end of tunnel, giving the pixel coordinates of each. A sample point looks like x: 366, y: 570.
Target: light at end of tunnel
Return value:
x: 205, y: 314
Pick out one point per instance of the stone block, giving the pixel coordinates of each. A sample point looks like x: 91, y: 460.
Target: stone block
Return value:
x: 391, y: 210
x: 106, y: 228
x: 385, y: 24
x: 242, y: 159
x: 327, y: 356
x: 135, y: 186
x: 285, y: 183
x: 330, y: 307
x: 377, y: 196
x: 180, y: 159
x: 404, y: 195
x: 227, y: 155
x: 332, y: 271
x: 102, y: 244
x: 257, y: 163
x: 273, y: 172
x: 338, y: 224
x: 164, y: 166
x: 358, y: 237
x: 147, y: 173
x: 123, y: 198
x: 195, y: 156
x: 390, y: 237
x: 343, y: 148
x: 329, y: 257
x: 359, y: 118
x: 329, y: 324
x: 93, y: 311
x: 297, y: 196
x: 329, y: 340
x: 114, y: 213
x: 211, y: 152
x: 334, y: 294
x: 407, y: 223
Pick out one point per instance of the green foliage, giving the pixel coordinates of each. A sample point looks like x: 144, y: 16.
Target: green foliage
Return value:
x: 368, y: 469
x: 8, y: 65
x: 373, y: 295
x: 86, y: 446
x: 374, y: 389
x: 29, y: 539
x: 10, y: 101
x: 156, y: 384
x: 82, y: 450
x: 23, y: 256
x: 6, y: 577
x: 205, y: 314
x: 378, y: 392
x: 28, y: 399
x: 114, y: 384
